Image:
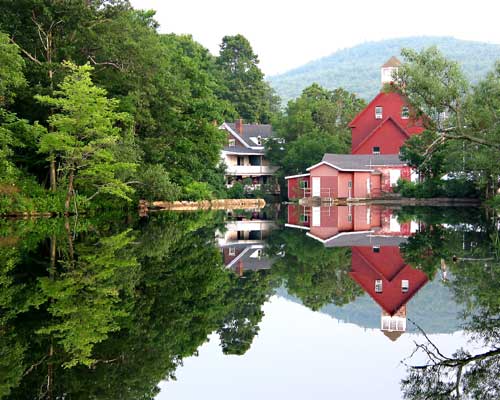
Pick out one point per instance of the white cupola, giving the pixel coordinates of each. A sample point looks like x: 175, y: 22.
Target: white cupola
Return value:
x: 388, y: 69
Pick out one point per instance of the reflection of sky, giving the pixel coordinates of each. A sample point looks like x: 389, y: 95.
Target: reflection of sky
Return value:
x: 300, y: 354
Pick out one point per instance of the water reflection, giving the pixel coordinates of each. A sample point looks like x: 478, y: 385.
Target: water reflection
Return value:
x: 109, y: 307
x: 373, y: 235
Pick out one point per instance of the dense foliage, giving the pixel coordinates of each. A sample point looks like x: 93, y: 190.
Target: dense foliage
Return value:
x: 95, y: 102
x: 313, y: 124
x: 462, y: 138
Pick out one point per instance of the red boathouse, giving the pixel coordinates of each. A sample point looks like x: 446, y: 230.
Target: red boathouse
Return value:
x: 373, y: 167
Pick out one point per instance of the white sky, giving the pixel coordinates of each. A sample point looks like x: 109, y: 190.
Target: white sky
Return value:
x: 288, y: 33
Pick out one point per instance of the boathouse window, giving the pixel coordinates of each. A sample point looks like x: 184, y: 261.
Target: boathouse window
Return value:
x: 232, y: 251
x: 376, y: 150
x: 405, y: 284
x: 378, y: 286
x: 304, y: 218
x: 405, y: 112
x: 349, y: 218
x: 232, y: 142
x: 304, y: 184
x: 376, y: 249
x: 378, y: 112
x: 349, y: 184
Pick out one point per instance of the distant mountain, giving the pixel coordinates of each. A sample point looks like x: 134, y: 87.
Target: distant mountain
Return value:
x: 357, y: 69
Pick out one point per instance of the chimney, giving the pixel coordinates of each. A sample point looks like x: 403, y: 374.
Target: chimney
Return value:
x: 239, y: 126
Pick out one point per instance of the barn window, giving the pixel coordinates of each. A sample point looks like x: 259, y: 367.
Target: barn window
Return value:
x: 405, y: 112
x: 376, y: 249
x: 378, y: 112
x: 376, y: 150
x: 405, y: 284
x: 378, y: 286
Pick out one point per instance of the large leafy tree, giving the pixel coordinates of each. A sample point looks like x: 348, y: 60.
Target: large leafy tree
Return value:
x: 461, y: 121
x: 313, y: 124
x: 86, y: 131
x: 242, y: 82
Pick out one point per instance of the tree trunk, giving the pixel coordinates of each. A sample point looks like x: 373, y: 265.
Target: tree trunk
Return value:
x: 70, y: 191
x: 53, y: 180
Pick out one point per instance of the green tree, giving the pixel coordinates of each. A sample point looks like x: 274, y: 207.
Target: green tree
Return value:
x: 315, y: 274
x: 85, y: 133
x: 313, y: 124
x: 242, y: 82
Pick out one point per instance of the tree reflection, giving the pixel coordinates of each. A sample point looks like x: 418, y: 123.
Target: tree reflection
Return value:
x: 100, y: 309
x: 475, y: 273
x: 315, y: 274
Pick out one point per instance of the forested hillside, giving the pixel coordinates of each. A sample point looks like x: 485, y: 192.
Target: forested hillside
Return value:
x: 357, y: 69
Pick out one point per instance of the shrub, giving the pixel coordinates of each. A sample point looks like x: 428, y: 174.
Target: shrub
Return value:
x: 237, y: 191
x: 198, y: 191
x: 156, y: 184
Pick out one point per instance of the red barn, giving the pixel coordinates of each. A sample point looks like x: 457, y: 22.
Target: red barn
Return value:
x: 383, y: 274
x: 373, y: 167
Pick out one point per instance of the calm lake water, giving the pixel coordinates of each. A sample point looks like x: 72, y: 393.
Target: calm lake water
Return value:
x: 286, y: 302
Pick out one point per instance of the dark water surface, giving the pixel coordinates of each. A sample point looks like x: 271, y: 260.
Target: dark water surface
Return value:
x: 286, y: 302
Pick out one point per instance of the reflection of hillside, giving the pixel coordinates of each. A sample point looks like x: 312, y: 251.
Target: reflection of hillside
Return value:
x: 432, y: 308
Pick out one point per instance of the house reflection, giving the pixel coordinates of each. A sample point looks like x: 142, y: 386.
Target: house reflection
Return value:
x: 374, y: 235
x: 243, y: 241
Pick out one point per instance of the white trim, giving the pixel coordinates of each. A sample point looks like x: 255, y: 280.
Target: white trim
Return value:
x: 228, y: 128
x: 247, y: 249
x: 297, y: 226
x: 338, y: 168
x: 234, y: 153
x: 235, y: 134
x: 297, y: 176
x: 336, y: 236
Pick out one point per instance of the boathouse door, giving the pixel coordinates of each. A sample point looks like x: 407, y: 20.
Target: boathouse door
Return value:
x: 316, y: 186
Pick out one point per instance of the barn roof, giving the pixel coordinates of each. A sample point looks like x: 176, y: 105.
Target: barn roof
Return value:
x: 392, y: 62
x: 359, y: 162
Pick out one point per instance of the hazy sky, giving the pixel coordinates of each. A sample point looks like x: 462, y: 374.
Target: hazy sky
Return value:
x: 288, y: 33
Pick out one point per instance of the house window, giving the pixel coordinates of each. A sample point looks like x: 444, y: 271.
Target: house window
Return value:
x: 378, y: 285
x: 241, y: 160
x: 259, y: 140
x: 304, y: 218
x: 378, y: 112
x: 405, y: 112
x: 232, y: 251
x: 405, y: 284
x: 304, y: 184
x: 376, y: 249
x: 232, y: 142
x: 376, y: 150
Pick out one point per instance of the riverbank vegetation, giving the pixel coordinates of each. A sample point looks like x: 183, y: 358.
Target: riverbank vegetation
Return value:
x: 97, y: 108
x: 459, y: 150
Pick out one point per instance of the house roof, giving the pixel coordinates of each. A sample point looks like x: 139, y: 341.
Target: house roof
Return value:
x: 364, y: 239
x: 242, y: 150
x: 386, y: 121
x: 359, y: 162
x: 250, y: 131
x: 392, y: 62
